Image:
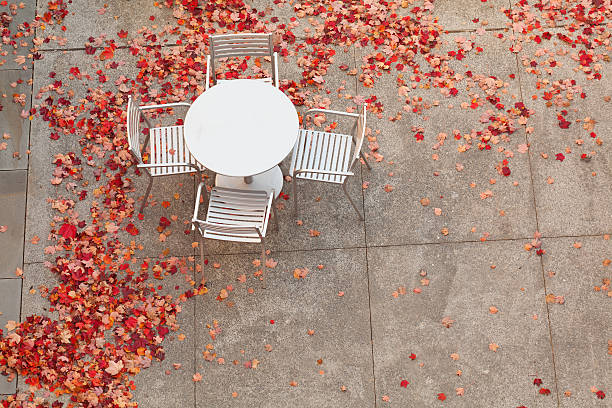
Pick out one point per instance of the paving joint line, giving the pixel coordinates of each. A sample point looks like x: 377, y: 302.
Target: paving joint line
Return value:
x: 368, y: 246
x: 535, y: 206
x: 365, y: 238
x: 297, y: 37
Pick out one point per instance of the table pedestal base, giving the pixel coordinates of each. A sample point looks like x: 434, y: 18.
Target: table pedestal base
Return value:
x: 267, y: 181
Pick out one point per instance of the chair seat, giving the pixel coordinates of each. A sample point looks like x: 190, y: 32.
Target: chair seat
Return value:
x: 321, y: 151
x: 233, y: 213
x: 167, y: 147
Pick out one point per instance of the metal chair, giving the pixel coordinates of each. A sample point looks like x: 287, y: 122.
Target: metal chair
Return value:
x: 327, y: 157
x: 241, y: 45
x: 169, y: 154
x: 234, y: 215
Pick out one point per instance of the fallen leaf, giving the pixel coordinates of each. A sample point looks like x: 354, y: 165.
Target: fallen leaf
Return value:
x: 447, y: 322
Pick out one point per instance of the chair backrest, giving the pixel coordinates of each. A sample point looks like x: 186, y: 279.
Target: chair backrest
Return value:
x: 133, y: 128
x: 359, y: 133
x: 239, y: 45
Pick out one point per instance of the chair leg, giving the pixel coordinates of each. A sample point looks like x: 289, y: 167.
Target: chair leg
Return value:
x: 295, y: 204
x: 365, y: 161
x: 351, y: 200
x: 202, y: 259
x: 146, y: 196
x: 280, y: 166
x: 274, y: 214
x: 263, y: 261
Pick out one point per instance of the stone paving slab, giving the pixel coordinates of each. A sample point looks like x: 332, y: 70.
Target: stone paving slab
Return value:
x: 13, y: 186
x: 38, y: 281
x: 572, y: 196
x: 454, y: 16
x: 281, y: 316
x: 177, y: 383
x: 43, y: 148
x: 15, y: 89
x: 449, y: 180
x: 460, y: 283
x: 104, y: 19
x: 10, y: 304
x: 24, y: 14
x: 581, y: 330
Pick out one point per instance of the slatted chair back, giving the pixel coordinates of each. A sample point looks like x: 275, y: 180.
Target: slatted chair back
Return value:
x: 359, y: 134
x: 133, y: 129
x: 239, y: 45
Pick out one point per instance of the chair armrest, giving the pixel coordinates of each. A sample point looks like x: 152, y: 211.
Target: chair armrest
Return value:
x: 207, y: 72
x: 163, y: 106
x: 275, y: 68
x: 150, y: 166
x: 330, y: 172
x: 352, y: 115
x: 196, y: 210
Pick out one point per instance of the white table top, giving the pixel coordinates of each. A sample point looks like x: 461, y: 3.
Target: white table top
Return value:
x: 241, y: 127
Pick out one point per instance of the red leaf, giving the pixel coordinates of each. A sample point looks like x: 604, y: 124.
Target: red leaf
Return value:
x: 441, y: 396
x: 404, y: 384
x: 560, y: 156
x: 108, y: 53
x: 122, y: 34
x: 600, y: 394
x: 506, y: 171
x: 544, y: 391
x: 537, y: 381
x: 412, y: 356
x: 131, y: 229
x: 68, y: 231
x: 164, y: 222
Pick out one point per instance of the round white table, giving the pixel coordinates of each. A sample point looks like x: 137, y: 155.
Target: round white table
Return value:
x: 242, y: 128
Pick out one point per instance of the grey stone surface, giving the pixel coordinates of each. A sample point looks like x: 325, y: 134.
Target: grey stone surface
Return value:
x: 8, y: 52
x: 10, y: 304
x: 570, y: 199
x: 416, y: 174
x: 581, y: 331
x: 400, y: 238
x: 12, y: 124
x: 13, y: 186
x: 281, y: 316
x: 462, y: 286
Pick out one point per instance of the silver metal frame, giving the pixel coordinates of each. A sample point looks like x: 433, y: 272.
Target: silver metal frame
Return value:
x: 134, y: 114
x: 241, y: 209
x: 358, y: 136
x: 241, y: 45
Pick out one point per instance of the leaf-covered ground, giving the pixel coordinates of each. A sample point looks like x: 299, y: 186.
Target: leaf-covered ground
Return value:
x: 487, y: 210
